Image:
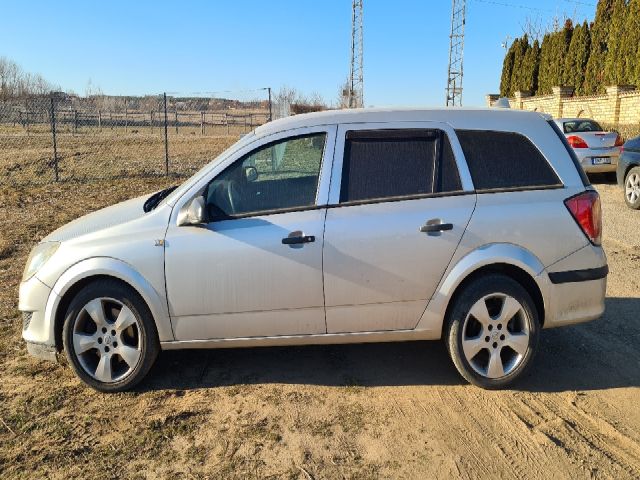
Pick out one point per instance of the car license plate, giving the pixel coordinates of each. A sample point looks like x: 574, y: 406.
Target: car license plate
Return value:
x: 601, y: 160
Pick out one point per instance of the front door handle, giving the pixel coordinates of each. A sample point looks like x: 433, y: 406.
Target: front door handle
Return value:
x: 436, y: 225
x: 298, y: 239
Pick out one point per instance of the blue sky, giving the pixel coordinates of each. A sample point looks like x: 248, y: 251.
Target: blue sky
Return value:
x: 145, y: 47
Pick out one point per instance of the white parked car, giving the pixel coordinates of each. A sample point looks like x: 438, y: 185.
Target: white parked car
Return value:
x: 597, y: 150
x: 473, y: 226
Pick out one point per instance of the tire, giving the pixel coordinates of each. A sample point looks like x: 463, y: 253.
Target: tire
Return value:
x: 492, y: 347
x: 109, y: 336
x: 632, y: 188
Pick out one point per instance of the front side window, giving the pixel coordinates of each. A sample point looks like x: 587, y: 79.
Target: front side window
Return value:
x: 383, y: 164
x: 279, y: 175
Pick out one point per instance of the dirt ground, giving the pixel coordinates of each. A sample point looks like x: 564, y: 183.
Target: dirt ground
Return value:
x: 359, y: 411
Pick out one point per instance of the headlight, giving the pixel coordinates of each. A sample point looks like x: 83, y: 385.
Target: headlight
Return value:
x: 38, y: 257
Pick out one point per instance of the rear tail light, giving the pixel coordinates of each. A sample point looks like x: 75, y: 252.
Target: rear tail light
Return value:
x: 585, y: 209
x: 576, y: 142
x: 619, y: 141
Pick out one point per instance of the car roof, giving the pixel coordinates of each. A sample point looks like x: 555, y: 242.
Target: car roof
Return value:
x: 469, y: 118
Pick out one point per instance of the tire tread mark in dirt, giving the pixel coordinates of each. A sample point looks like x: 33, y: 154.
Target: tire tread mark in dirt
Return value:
x: 578, y: 429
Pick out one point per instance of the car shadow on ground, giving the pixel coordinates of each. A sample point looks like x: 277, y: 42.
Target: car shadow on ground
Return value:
x: 602, y: 178
x: 599, y: 355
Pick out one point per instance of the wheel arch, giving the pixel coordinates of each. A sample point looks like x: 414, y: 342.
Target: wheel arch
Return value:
x: 508, y: 259
x: 90, y: 270
x: 628, y: 168
x: 508, y: 270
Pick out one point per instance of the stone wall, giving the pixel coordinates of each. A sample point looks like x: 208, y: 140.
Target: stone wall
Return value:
x: 618, y: 109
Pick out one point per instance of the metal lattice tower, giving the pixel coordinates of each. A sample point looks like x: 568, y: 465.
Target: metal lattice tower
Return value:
x: 456, y: 46
x: 356, y: 82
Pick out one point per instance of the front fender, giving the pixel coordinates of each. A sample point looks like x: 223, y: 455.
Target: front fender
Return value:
x: 112, y: 267
x: 494, y: 253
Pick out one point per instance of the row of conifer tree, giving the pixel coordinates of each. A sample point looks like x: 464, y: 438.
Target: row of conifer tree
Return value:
x: 587, y: 56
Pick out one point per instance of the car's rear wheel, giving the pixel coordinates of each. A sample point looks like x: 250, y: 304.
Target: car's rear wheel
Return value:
x: 109, y: 336
x: 492, y: 331
x: 632, y: 188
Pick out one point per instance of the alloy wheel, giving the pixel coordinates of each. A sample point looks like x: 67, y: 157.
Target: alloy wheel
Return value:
x: 495, y: 335
x: 632, y: 188
x: 107, y: 340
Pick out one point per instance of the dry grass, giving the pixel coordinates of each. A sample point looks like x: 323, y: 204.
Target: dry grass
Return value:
x: 28, y: 159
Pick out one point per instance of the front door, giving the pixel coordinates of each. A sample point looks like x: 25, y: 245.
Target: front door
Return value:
x: 397, y: 217
x: 255, y: 269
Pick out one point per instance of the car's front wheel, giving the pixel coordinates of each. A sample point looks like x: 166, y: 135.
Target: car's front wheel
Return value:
x: 632, y: 188
x: 492, y: 331
x: 109, y: 336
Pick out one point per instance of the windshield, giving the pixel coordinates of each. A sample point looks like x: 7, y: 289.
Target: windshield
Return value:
x: 177, y: 193
x: 581, y: 126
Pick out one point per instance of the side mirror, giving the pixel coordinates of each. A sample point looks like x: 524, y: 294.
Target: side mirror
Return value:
x: 250, y: 174
x: 194, y: 214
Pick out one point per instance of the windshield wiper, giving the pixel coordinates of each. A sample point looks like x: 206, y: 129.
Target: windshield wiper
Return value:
x: 153, y: 201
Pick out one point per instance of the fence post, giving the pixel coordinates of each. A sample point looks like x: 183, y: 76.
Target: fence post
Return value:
x: 126, y: 119
x: 53, y: 133
x: 151, y: 120
x: 176, y: 122
x: 270, y: 117
x: 226, y: 120
x: 202, y: 123
x: 99, y: 121
x: 75, y: 122
x: 166, y: 138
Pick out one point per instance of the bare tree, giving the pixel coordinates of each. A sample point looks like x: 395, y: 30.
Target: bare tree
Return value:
x: 533, y: 28
x: 15, y: 82
x: 343, y: 94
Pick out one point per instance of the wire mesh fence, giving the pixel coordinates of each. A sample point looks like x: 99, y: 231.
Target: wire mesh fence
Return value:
x: 62, y: 137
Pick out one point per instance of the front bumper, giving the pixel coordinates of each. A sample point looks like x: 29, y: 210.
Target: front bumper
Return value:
x: 36, y: 331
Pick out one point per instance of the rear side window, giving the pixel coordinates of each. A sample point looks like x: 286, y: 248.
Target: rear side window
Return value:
x: 383, y: 164
x: 505, y: 160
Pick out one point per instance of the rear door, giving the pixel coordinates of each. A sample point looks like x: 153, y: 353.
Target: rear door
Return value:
x: 400, y: 200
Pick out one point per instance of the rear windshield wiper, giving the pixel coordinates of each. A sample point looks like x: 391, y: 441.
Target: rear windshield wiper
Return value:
x: 153, y: 201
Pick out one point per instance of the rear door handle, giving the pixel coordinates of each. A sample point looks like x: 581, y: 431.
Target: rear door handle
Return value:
x: 295, y: 240
x: 436, y: 225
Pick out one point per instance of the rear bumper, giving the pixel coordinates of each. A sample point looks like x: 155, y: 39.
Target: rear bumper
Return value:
x: 584, y: 275
x: 576, y: 287
x: 587, y: 155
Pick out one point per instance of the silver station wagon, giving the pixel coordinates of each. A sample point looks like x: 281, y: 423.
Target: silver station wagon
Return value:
x: 477, y: 227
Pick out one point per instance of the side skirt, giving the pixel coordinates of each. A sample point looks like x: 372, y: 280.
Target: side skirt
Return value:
x: 319, y: 339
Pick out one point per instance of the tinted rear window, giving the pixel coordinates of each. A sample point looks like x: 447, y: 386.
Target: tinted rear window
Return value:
x: 381, y: 164
x: 504, y: 160
x: 581, y: 126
